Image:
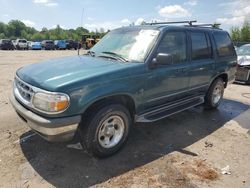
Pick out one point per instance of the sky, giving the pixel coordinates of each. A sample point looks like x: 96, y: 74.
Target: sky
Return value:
x: 110, y: 14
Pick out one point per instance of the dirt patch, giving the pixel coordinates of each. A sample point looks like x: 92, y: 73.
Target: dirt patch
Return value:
x: 200, y: 169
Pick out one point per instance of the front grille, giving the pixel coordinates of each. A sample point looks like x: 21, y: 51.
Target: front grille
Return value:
x: 25, y: 91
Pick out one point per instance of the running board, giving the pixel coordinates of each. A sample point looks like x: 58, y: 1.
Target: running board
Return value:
x: 170, y: 110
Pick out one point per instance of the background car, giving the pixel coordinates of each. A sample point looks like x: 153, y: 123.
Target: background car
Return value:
x: 21, y: 44
x: 70, y: 44
x: 60, y: 44
x: 48, y: 45
x: 34, y: 45
x: 6, y: 44
x: 243, y: 71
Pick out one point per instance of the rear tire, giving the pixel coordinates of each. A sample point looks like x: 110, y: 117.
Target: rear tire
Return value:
x: 106, y: 130
x: 214, y: 94
x: 248, y: 81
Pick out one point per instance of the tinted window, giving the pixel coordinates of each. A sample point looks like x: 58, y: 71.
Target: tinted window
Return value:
x: 49, y: 42
x: 201, y: 48
x: 224, y: 44
x: 174, y: 43
x: 6, y: 41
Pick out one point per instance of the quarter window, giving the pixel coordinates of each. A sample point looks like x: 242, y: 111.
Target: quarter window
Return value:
x: 201, y: 48
x: 223, y: 44
x: 174, y: 43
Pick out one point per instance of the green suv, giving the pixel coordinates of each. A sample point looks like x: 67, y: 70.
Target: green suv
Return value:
x: 134, y: 74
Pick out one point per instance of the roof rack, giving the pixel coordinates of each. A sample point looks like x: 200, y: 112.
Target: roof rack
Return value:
x: 215, y: 25
x: 190, y: 24
x: 179, y: 22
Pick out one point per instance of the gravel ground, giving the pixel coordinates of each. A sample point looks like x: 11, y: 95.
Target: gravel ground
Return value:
x: 186, y: 150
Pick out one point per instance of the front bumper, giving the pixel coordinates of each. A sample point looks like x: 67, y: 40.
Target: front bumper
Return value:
x: 36, y: 47
x: 51, y: 129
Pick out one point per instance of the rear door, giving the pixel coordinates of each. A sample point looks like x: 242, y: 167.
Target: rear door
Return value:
x: 202, y: 63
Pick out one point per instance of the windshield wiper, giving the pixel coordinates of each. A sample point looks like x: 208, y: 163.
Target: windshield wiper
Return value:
x: 117, y: 56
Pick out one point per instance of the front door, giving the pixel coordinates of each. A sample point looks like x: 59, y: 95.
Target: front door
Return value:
x: 167, y: 83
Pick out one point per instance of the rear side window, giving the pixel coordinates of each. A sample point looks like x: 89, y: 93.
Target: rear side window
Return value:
x: 201, y: 48
x: 224, y: 44
x: 174, y: 43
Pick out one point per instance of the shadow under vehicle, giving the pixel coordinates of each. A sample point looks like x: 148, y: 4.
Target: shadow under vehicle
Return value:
x: 64, y: 167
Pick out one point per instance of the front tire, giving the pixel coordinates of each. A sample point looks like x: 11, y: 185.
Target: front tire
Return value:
x: 214, y: 94
x: 106, y: 130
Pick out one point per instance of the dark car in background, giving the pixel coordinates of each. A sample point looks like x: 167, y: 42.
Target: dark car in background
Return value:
x: 243, y: 70
x: 70, y: 44
x: 6, y: 44
x: 60, y: 44
x: 48, y: 45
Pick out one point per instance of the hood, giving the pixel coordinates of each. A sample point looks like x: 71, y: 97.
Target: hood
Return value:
x: 53, y: 74
x: 244, y: 60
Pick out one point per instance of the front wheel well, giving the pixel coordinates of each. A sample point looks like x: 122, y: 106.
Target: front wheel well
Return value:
x: 124, y: 100
x: 224, y: 77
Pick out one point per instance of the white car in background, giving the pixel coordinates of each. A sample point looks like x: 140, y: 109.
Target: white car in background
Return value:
x: 21, y: 44
x: 243, y: 71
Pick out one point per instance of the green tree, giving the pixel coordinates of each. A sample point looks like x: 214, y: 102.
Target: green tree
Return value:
x: 2, y: 36
x: 37, y: 37
x: 241, y: 34
x: 235, y: 34
x: 2, y: 29
x: 17, y: 29
x: 245, y: 32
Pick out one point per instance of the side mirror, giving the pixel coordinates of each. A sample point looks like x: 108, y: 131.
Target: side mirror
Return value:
x: 162, y: 59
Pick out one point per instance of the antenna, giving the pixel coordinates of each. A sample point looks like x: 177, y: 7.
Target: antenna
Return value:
x: 78, y: 50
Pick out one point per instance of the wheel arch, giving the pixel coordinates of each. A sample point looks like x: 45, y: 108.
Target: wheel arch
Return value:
x: 124, y: 99
x: 223, y: 76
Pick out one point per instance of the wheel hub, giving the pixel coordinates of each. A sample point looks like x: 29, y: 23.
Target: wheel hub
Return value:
x: 217, y: 93
x: 111, y: 131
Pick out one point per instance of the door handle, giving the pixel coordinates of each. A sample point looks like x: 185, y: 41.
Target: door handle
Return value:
x: 178, y: 70
x: 184, y: 69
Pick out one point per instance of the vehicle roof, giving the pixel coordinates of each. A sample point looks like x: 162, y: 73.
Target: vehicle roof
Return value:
x: 248, y: 45
x: 173, y: 27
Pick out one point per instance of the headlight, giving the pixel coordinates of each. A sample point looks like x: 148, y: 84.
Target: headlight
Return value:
x: 49, y: 102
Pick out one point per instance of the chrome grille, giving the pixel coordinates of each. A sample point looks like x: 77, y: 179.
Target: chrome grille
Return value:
x: 24, y: 89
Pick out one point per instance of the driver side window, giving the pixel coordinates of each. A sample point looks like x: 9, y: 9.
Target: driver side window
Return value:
x: 174, y: 43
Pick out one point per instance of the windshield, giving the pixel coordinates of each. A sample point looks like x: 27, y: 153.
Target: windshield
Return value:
x: 6, y: 41
x: 22, y: 41
x: 243, y: 50
x: 131, y: 44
